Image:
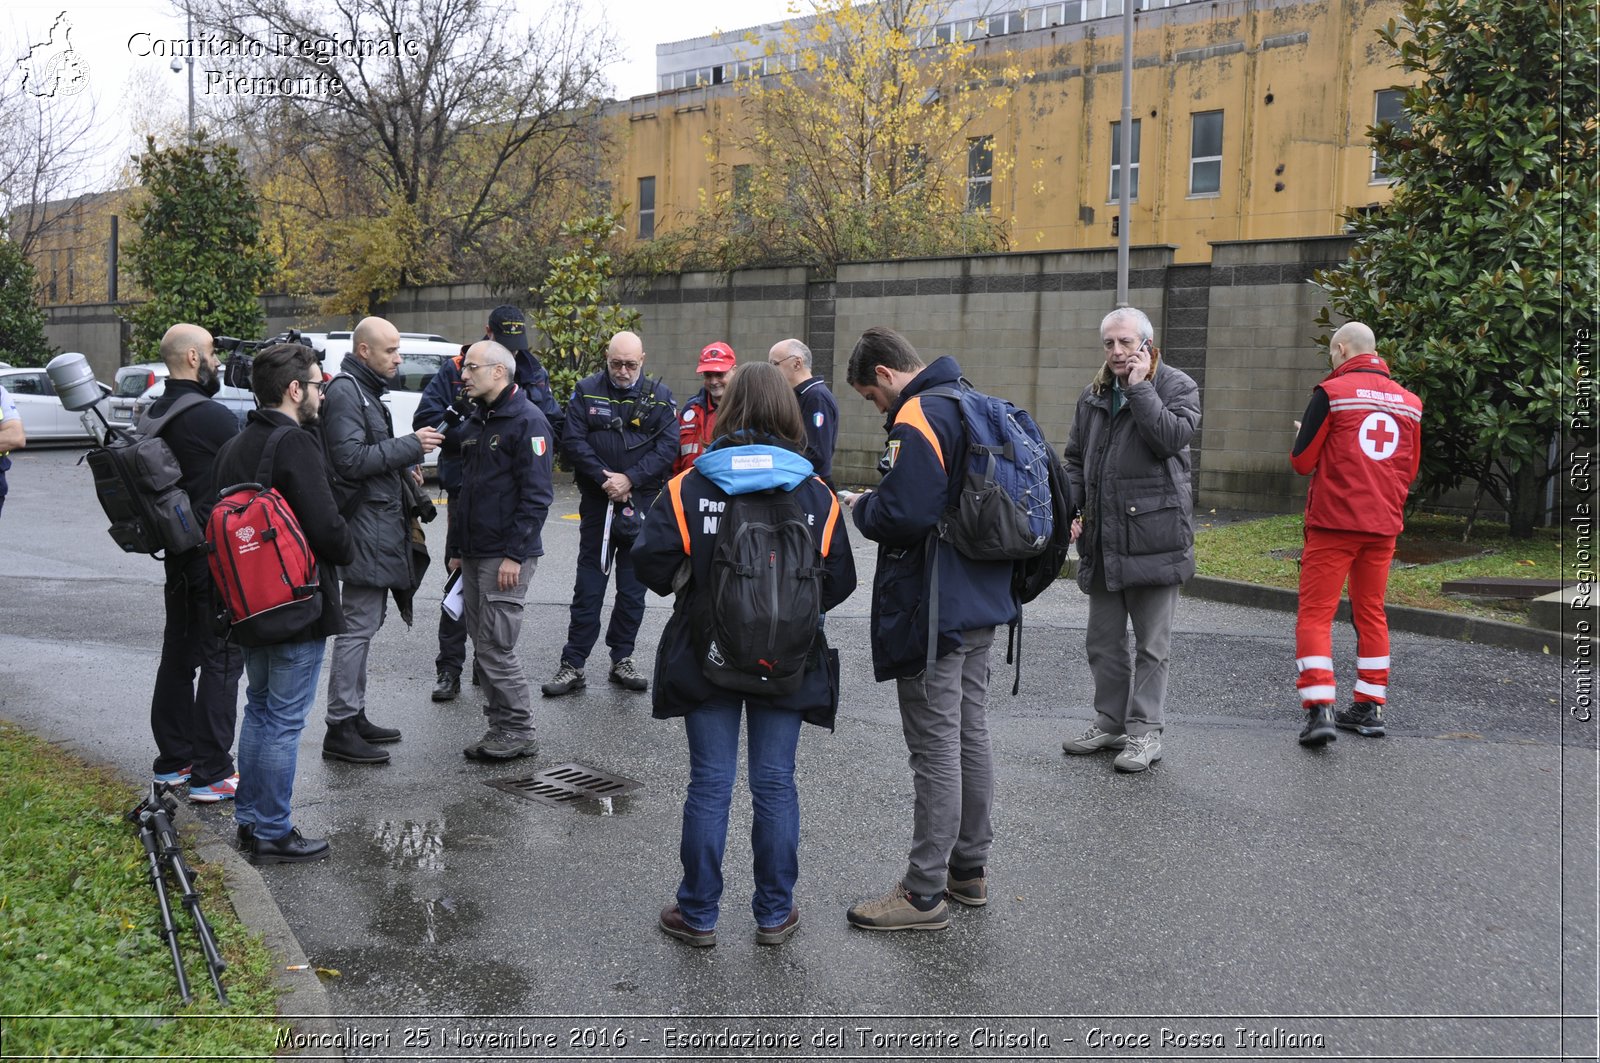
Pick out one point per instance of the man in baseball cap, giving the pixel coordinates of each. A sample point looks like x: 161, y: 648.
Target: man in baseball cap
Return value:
x: 699, y: 414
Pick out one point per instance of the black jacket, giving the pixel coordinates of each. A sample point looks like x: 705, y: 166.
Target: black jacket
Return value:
x: 300, y: 474
x: 820, y: 412
x: 506, y: 486
x: 195, y: 436
x: 364, y: 452
x: 633, y: 432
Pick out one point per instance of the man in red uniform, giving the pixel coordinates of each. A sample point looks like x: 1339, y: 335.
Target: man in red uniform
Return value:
x: 699, y: 414
x: 1360, y: 443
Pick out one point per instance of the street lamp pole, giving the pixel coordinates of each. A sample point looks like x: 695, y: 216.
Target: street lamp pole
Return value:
x: 1125, y: 172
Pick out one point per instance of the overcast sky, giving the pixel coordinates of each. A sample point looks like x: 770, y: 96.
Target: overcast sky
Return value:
x: 100, y: 31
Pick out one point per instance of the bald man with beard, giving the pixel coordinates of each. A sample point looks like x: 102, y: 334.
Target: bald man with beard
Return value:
x: 194, y: 708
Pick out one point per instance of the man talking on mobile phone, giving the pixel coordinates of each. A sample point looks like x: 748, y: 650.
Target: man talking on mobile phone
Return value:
x: 1128, y: 460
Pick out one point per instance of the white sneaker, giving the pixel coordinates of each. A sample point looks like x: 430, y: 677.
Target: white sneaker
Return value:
x: 1141, y: 752
x: 1093, y: 741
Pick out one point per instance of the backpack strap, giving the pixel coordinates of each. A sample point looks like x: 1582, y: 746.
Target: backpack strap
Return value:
x: 269, y: 453
x: 153, y: 426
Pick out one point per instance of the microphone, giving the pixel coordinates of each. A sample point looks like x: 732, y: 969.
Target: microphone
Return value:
x: 457, y: 413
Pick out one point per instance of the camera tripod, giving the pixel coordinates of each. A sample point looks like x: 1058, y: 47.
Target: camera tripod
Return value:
x: 164, y: 853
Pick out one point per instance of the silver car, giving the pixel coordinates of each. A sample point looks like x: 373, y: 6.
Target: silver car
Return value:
x: 131, y: 382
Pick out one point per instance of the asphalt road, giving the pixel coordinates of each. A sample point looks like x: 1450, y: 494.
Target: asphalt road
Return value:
x: 1429, y: 895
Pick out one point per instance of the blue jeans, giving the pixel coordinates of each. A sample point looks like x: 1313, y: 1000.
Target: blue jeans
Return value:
x: 713, y: 732
x: 282, y: 684
x: 589, y: 587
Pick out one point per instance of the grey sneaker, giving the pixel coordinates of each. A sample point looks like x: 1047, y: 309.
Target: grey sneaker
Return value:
x: 497, y: 745
x: 1093, y: 741
x: 625, y: 675
x: 1140, y: 752
x: 566, y: 681
x: 894, y: 911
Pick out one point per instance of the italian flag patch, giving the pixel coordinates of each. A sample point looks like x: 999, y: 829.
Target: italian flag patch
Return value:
x: 540, y: 446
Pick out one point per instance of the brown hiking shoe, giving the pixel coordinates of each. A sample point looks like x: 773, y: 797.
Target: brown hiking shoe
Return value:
x: 894, y: 911
x: 972, y: 892
x: 672, y: 924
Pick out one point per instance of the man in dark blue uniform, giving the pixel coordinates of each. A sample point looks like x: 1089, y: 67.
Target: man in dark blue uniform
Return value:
x: 508, y: 328
x: 620, y: 439
x: 506, y: 490
x: 819, y: 410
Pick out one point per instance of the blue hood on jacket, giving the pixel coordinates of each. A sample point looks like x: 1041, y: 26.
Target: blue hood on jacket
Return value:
x: 740, y: 470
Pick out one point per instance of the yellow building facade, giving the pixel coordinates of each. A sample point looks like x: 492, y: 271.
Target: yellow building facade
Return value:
x: 1251, y: 117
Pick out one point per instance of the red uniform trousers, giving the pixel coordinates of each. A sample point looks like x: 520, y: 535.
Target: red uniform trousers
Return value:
x: 1331, y: 556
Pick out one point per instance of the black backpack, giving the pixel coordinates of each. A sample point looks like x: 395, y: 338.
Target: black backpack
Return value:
x: 136, y: 480
x: 755, y: 625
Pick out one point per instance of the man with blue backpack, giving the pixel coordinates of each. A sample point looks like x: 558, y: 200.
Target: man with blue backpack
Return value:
x: 939, y: 663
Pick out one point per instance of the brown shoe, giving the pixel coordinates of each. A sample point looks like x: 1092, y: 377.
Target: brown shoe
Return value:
x: 777, y: 935
x: 972, y: 892
x: 672, y: 924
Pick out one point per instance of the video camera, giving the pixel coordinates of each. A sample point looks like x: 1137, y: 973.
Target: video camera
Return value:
x: 239, y: 354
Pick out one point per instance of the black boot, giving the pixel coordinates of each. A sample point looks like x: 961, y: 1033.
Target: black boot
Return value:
x: 292, y: 848
x: 448, y: 688
x: 371, y: 732
x: 344, y: 742
x: 1318, y: 730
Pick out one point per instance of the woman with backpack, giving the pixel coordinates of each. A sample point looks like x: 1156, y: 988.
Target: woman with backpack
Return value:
x: 754, y: 546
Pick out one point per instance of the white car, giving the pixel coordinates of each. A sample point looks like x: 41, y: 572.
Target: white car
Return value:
x: 44, y: 419
x: 421, y: 355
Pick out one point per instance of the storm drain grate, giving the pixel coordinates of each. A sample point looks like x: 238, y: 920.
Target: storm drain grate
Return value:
x: 564, y: 784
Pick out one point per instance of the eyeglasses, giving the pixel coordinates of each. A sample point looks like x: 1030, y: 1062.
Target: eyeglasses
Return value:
x: 627, y: 366
x: 780, y: 361
x: 320, y: 385
x: 474, y: 367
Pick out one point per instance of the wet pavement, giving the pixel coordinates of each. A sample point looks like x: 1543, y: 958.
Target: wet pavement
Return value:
x: 1427, y: 895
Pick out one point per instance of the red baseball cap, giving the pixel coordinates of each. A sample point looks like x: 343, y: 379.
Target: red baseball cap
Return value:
x: 716, y: 358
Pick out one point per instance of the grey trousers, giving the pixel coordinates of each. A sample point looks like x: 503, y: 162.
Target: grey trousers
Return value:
x: 1130, y: 696
x: 364, y: 610
x: 946, y: 726
x: 494, y: 620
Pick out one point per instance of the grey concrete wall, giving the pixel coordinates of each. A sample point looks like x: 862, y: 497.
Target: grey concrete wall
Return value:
x: 1023, y: 326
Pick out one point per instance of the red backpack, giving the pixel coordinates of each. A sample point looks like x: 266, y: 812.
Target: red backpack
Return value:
x: 265, y: 572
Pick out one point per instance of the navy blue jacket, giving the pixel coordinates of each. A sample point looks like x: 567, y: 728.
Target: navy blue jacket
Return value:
x: 506, y: 481
x: 445, y: 388
x: 683, y: 524
x: 926, y: 449
x: 820, y: 412
x: 633, y: 431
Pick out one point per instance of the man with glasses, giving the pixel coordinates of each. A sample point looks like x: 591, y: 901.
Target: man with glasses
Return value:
x: 368, y: 461
x: 506, y: 489
x: 699, y: 414
x: 818, y: 408
x: 283, y: 676
x: 619, y: 439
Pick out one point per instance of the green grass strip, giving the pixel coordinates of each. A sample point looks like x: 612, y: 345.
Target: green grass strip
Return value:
x: 1245, y: 551
x: 80, y: 927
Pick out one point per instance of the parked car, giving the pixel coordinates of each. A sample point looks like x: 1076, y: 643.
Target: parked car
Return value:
x: 421, y: 355
x: 240, y: 401
x: 131, y: 382
x: 44, y: 419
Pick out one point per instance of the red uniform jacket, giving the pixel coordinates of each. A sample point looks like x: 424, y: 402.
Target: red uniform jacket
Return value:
x: 1361, y: 442
x: 694, y: 431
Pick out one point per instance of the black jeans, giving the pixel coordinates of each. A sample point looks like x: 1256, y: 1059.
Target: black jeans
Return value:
x: 193, y: 722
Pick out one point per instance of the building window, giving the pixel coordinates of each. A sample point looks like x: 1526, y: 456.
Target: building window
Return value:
x: 647, y: 208
x: 1205, y: 153
x: 1116, y: 163
x: 1390, y: 107
x: 980, y: 172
